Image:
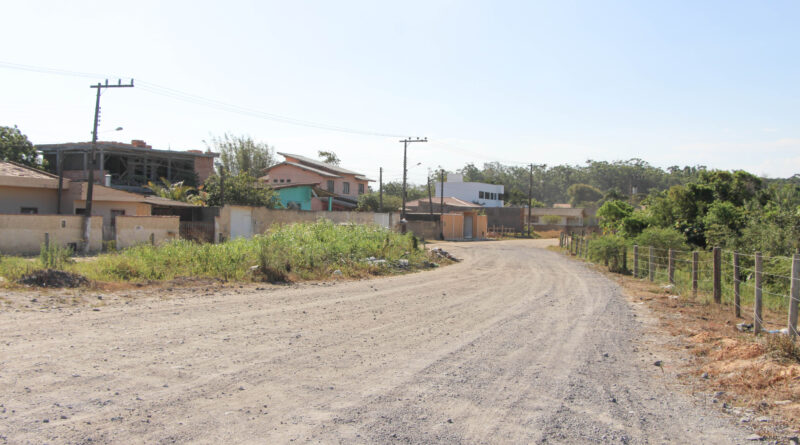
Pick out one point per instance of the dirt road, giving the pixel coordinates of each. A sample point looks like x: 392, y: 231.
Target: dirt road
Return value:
x: 515, y: 344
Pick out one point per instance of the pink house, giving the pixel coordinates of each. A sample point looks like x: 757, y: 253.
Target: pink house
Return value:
x: 345, y: 184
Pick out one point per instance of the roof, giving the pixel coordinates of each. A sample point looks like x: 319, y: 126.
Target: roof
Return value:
x: 294, y: 184
x: 448, y: 201
x: 18, y: 175
x: 325, y: 166
x: 120, y: 147
x: 304, y: 167
x: 542, y: 211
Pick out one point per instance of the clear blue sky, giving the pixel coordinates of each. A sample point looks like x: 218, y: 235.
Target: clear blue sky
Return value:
x: 674, y: 83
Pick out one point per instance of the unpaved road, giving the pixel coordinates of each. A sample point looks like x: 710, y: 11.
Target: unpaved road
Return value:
x: 516, y: 344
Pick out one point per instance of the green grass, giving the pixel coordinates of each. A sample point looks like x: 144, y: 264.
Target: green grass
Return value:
x: 300, y: 251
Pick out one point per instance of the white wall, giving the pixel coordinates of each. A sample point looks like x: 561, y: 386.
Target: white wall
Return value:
x: 469, y: 191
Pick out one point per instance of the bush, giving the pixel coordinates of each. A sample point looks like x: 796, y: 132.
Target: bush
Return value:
x: 782, y: 347
x: 611, y: 250
x: 661, y: 238
x: 54, y: 256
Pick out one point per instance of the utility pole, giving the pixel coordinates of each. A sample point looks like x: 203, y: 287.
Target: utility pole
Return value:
x: 405, y: 174
x: 441, y: 204
x: 530, y: 197
x: 430, y: 196
x: 380, y: 190
x: 92, y: 161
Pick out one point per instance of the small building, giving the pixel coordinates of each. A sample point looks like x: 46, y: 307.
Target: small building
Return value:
x: 449, y: 204
x: 304, y: 196
x: 485, y: 195
x: 345, y: 185
x: 129, y: 166
x: 26, y: 190
x: 559, y: 217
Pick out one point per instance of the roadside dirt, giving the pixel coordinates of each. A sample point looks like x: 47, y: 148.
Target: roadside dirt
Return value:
x: 515, y: 344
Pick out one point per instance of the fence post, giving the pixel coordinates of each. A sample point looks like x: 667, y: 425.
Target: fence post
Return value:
x: 586, y: 248
x: 695, y: 260
x: 794, y: 294
x: 46, y: 240
x: 737, y: 299
x: 651, y: 266
x: 717, y: 275
x: 579, y: 247
x: 671, y: 266
x: 152, y: 239
x: 635, y: 261
x: 757, y: 302
x: 624, y: 259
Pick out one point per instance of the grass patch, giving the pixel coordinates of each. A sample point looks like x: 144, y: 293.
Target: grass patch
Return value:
x: 782, y: 347
x: 288, y: 252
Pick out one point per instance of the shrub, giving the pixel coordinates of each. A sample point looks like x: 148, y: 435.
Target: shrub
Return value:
x: 661, y: 238
x: 611, y: 250
x: 54, y: 256
x: 782, y: 347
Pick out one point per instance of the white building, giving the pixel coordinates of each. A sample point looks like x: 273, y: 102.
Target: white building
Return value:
x: 487, y: 195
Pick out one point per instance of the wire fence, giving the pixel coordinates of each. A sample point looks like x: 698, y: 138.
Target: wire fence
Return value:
x: 724, y: 276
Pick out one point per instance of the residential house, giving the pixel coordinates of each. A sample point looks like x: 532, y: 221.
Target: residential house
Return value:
x: 301, y: 196
x: 486, y: 195
x: 128, y: 166
x: 345, y: 184
x: 25, y: 190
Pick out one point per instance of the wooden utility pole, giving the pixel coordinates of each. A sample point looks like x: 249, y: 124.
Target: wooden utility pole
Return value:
x: 530, y: 197
x: 405, y: 174
x: 87, y: 221
x: 441, y: 202
x: 737, y: 299
x: 380, y: 190
x: 430, y: 195
x: 757, y: 303
x: 794, y: 294
x: 717, y: 252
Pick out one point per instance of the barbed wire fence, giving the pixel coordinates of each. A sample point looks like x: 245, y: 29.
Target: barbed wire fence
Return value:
x: 727, y: 277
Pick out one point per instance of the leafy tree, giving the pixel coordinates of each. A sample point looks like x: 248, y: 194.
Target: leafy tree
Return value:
x: 583, y: 195
x: 723, y: 224
x: 328, y: 157
x: 611, y: 214
x: 241, y: 154
x: 370, y: 202
x: 662, y: 238
x: 178, y: 191
x: 15, y: 146
x: 395, y: 188
x: 241, y: 189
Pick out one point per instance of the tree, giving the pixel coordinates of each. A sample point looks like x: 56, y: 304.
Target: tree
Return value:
x: 328, y: 157
x: 15, y: 147
x: 370, y: 202
x: 178, y: 191
x: 612, y: 213
x: 241, y: 189
x: 583, y: 194
x: 241, y: 154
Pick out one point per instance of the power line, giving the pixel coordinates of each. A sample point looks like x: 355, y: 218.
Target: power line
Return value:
x: 200, y: 100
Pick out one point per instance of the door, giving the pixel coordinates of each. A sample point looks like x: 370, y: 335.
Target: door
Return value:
x: 468, y: 226
x: 241, y: 223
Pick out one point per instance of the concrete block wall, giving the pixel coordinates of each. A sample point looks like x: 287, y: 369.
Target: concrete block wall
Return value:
x: 132, y: 230
x: 24, y: 234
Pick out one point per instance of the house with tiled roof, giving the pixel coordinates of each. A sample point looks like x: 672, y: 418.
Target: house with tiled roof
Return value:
x: 344, y: 185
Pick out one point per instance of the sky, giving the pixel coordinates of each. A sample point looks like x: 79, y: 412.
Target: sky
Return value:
x: 712, y: 83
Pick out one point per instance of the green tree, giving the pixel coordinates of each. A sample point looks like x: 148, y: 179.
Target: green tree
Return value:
x: 662, y: 238
x: 15, y: 147
x: 611, y: 214
x: 370, y: 202
x: 241, y: 154
x: 178, y: 191
x: 241, y: 189
x: 583, y: 195
x: 328, y: 157
x: 723, y: 224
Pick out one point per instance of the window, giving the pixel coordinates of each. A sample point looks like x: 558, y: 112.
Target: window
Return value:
x: 346, y: 188
x: 360, y: 189
x: 80, y: 211
x: 288, y: 180
x: 481, y: 195
x: 281, y: 181
x: 330, y: 185
x: 29, y: 210
x: 274, y: 180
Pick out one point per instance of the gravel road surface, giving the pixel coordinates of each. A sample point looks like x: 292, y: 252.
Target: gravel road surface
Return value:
x: 516, y: 344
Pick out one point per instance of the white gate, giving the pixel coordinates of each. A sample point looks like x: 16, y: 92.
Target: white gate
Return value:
x: 241, y: 222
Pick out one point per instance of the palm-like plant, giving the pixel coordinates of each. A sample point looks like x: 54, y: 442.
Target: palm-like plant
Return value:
x: 177, y: 191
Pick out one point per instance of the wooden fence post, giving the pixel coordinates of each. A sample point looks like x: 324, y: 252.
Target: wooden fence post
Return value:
x: 757, y: 302
x: 624, y: 259
x: 695, y: 260
x: 737, y: 299
x: 717, y: 275
x: 578, y: 247
x: 671, y: 266
x: 586, y: 248
x: 651, y: 265
x: 152, y: 239
x: 46, y: 240
x: 794, y: 294
x: 635, y: 261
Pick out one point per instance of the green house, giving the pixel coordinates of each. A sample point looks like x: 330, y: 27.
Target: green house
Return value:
x: 307, y: 196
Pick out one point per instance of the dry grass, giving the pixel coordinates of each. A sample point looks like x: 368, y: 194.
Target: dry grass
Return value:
x: 548, y: 233
x: 761, y: 373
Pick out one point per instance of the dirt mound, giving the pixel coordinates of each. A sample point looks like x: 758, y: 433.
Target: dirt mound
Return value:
x: 53, y: 278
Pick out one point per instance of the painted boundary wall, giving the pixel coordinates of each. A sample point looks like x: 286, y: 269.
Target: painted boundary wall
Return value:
x: 132, y: 230
x: 262, y: 218
x: 24, y: 234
